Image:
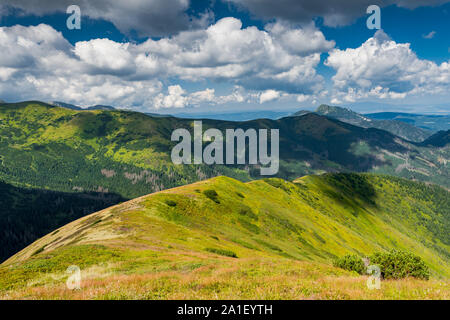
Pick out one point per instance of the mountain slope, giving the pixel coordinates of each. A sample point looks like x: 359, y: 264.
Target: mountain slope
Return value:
x: 127, y: 154
x: 439, y: 139
x: 192, y: 232
x: 28, y: 214
x: 398, y: 128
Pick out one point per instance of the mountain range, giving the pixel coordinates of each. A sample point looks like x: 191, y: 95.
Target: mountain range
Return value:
x: 236, y: 116
x: 122, y: 155
x: 74, y: 107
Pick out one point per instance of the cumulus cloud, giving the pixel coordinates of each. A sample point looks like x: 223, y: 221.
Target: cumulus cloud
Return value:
x: 252, y: 58
x: 37, y: 62
x: 382, y: 68
x: 147, y: 17
x: 177, y: 97
x: 300, y: 41
x: 334, y: 13
x: 269, y: 95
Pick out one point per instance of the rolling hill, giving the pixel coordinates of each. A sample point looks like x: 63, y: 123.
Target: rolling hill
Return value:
x: 399, y: 128
x: 122, y: 155
x: 222, y: 238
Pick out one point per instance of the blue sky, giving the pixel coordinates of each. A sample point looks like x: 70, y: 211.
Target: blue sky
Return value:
x: 228, y: 55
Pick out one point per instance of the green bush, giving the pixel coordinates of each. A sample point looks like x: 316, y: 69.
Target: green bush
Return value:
x: 171, y: 203
x: 211, y: 194
x: 400, y: 264
x: 393, y: 265
x: 351, y: 263
x: 222, y: 252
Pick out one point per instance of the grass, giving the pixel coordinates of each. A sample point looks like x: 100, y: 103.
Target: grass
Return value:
x: 240, y: 279
x: 278, y: 241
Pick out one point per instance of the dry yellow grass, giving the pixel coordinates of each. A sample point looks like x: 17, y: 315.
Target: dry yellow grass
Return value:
x: 239, y: 279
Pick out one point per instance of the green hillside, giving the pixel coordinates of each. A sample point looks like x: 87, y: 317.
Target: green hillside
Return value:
x: 121, y: 155
x: 222, y: 238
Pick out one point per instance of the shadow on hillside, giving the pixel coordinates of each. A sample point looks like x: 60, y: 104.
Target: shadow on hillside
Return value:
x: 323, y: 142
x: 348, y: 187
x: 305, y: 138
x: 28, y: 214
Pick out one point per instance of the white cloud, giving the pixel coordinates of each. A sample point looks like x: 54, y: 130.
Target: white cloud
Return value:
x: 105, y: 54
x: 207, y: 95
x: 268, y: 95
x: 303, y: 42
x: 175, y: 99
x: 249, y: 57
x: 38, y: 63
x: 384, y: 69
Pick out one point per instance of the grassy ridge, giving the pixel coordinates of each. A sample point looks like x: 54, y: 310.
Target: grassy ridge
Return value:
x: 223, y: 238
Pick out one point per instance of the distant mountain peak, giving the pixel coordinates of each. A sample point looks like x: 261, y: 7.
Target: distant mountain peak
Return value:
x: 334, y: 111
x: 65, y: 105
x: 101, y: 107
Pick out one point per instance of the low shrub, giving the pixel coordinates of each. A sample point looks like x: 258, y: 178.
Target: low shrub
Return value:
x: 400, y: 264
x: 222, y: 252
x: 393, y: 265
x: 211, y: 194
x: 171, y: 203
x: 351, y: 263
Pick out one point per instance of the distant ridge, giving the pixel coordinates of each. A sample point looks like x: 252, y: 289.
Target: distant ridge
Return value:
x: 236, y: 116
x: 399, y: 128
x: 74, y: 107
x: 424, y: 121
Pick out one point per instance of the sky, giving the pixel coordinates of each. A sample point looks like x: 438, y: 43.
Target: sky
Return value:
x: 219, y: 56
